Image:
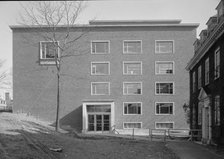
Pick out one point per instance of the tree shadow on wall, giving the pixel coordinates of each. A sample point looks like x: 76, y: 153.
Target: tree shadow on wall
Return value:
x: 72, y: 121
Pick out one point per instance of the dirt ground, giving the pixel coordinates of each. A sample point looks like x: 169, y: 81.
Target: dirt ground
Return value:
x: 23, y: 137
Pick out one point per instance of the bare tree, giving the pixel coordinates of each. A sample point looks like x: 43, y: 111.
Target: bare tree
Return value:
x: 5, y: 77
x: 47, y: 17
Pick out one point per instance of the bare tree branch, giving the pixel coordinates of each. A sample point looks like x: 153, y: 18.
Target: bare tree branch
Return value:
x: 44, y: 19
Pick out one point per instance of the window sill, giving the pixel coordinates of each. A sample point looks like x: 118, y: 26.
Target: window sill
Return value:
x: 47, y: 62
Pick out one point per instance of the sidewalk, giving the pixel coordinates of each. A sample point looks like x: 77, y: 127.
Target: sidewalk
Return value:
x: 191, y: 150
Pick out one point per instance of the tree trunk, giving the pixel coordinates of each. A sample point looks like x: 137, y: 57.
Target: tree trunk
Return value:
x: 58, y: 102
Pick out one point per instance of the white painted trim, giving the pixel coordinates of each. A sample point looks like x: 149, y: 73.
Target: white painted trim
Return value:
x: 165, y: 62
x: 98, y: 41
x: 85, y: 115
x: 132, y: 122
x: 194, y: 81
x: 207, y: 60
x: 132, y: 102
x: 131, y: 62
x: 130, y: 83
x: 40, y: 45
x: 165, y: 114
x: 100, y: 83
x: 165, y: 82
x: 217, y: 50
x: 165, y: 122
x: 100, y: 62
x: 198, y: 76
x: 132, y: 52
x: 164, y: 41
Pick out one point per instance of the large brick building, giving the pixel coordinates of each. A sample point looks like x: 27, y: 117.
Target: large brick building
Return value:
x: 206, y: 70
x: 129, y: 74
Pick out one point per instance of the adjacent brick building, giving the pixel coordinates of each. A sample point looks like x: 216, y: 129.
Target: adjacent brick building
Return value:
x: 128, y: 74
x: 207, y: 80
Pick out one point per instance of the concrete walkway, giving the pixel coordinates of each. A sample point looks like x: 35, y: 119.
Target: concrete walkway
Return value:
x: 191, y: 150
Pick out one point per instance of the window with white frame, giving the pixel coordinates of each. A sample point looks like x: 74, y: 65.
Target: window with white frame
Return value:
x: 132, y: 125
x: 207, y: 71
x: 164, y: 67
x: 164, y: 125
x: 132, y: 46
x: 164, y: 46
x: 132, y: 88
x: 163, y: 108
x: 199, y: 77
x: 217, y: 110
x: 100, y: 47
x: 217, y: 63
x: 193, y: 81
x: 48, y: 50
x: 100, y: 68
x: 100, y: 88
x: 164, y: 88
x: 132, y: 108
x: 132, y: 68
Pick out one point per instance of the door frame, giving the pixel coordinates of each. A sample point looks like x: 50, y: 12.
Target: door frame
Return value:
x: 95, y: 122
x: 85, y: 114
x: 205, y: 102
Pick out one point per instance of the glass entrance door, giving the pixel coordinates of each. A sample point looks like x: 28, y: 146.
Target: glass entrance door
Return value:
x: 98, y: 122
x: 106, y: 122
x: 91, y: 122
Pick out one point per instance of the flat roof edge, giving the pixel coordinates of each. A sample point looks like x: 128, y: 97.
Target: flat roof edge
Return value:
x: 98, y: 26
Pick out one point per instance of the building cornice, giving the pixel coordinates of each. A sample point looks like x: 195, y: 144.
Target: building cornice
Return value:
x: 195, y: 25
x: 208, y: 43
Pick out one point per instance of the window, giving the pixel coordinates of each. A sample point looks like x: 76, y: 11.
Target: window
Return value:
x: 132, y: 46
x: 132, y: 125
x: 132, y: 68
x: 217, y: 110
x: 164, y: 108
x: 164, y: 125
x: 164, y: 46
x: 199, y: 77
x: 100, y: 47
x: 164, y: 67
x: 48, y: 50
x: 194, y: 115
x: 163, y: 88
x: 100, y: 68
x: 132, y: 88
x: 193, y: 81
x: 98, y: 108
x: 207, y: 71
x: 217, y: 63
x: 100, y: 88
x: 131, y: 108
x: 200, y: 107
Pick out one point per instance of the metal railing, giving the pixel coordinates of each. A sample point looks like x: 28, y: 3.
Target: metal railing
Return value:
x: 195, y: 134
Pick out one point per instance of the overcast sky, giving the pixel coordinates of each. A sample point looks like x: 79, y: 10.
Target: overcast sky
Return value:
x: 189, y: 11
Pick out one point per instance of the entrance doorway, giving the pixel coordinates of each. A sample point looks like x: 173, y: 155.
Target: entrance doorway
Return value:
x: 98, y: 116
x: 98, y: 122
